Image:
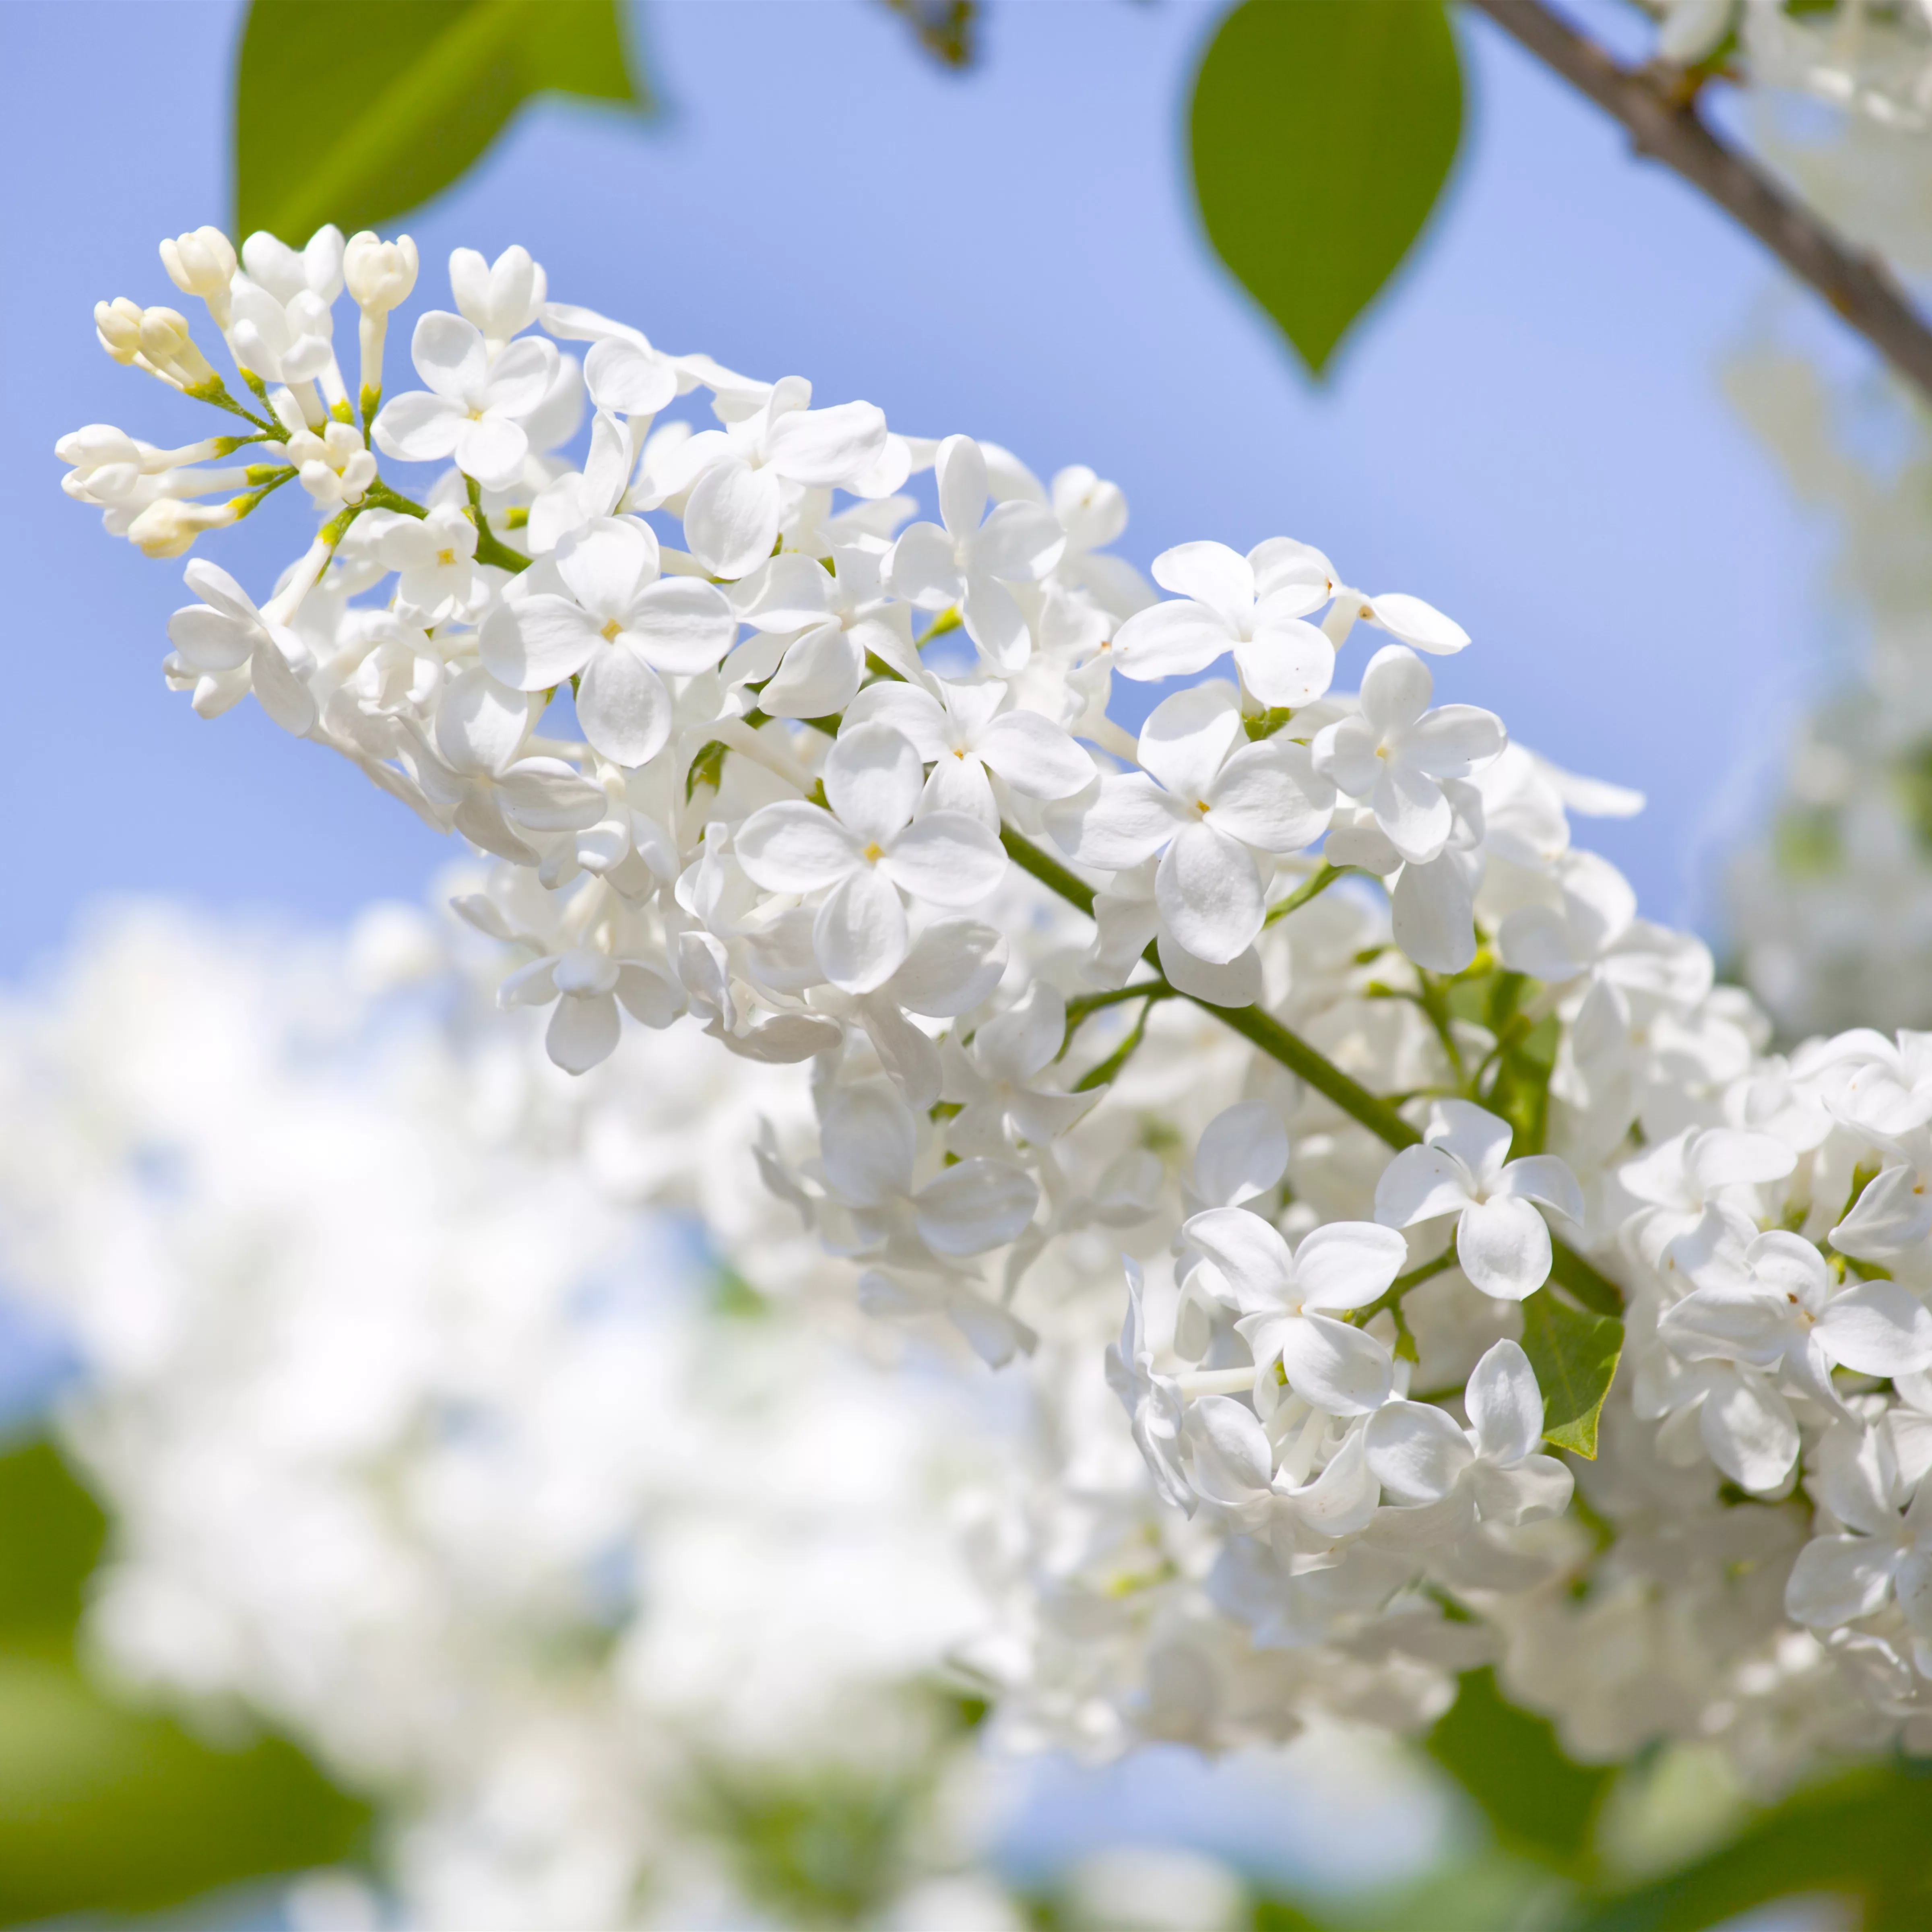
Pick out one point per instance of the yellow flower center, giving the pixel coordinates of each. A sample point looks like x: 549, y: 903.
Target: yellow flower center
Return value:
x: 446, y: 557
x: 874, y: 853
x: 609, y: 633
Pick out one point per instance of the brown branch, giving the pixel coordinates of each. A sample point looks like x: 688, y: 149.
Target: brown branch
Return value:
x: 1658, y: 104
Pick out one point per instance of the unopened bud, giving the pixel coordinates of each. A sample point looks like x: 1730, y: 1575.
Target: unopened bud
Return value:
x: 201, y: 262
x: 97, y: 445
x: 169, y: 528
x: 166, y: 342
x: 117, y: 324
x: 380, y: 273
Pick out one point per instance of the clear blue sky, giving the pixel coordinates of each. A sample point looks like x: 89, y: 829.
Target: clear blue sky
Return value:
x: 1528, y: 433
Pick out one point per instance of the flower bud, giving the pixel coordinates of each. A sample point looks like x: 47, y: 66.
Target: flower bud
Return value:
x: 166, y: 342
x: 201, y: 263
x: 97, y: 445
x: 380, y: 273
x: 117, y: 324
x: 168, y: 527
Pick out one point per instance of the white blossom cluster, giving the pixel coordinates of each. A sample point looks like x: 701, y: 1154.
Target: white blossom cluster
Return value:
x: 1829, y: 908
x: 1401, y: 1166
x: 1872, y: 58
x: 429, y: 1433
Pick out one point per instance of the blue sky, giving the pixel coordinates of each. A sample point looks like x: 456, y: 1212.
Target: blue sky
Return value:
x: 1527, y: 432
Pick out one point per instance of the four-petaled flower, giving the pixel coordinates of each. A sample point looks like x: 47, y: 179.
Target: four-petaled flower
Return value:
x: 1502, y: 1243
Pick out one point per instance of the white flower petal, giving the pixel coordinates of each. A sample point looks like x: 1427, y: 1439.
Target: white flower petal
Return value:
x: 681, y: 625
x: 1505, y: 1405
x: 1342, y: 1370
x: 731, y: 517
x: 1287, y: 662
x: 860, y: 933
x: 1209, y: 893
x: 1415, y: 1451
x: 1171, y: 640
x: 1503, y: 1245
x: 872, y: 780
x: 792, y: 847
x: 1418, y: 1184
x: 607, y: 564
x: 623, y: 707
x: 974, y: 1205
x: 947, y: 859
x: 584, y: 1031
x: 1210, y: 574
x: 1347, y: 1263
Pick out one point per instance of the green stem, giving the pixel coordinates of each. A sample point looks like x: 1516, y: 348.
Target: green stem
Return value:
x: 1586, y: 1283
x: 488, y: 549
x: 1109, y: 1069
x: 379, y: 496
x: 1309, y: 888
x: 1050, y: 872
x: 948, y: 620
x: 1077, y: 1009
x: 1402, y: 1283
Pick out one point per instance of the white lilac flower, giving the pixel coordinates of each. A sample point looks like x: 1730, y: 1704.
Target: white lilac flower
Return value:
x: 1205, y: 800
x: 617, y: 627
x: 969, y: 563
x: 863, y: 848
x: 735, y: 504
x: 1289, y: 1301
x: 1256, y: 606
x: 1462, y: 1168
x: 1396, y: 755
x: 970, y: 737
x: 474, y: 409
x: 1440, y: 1481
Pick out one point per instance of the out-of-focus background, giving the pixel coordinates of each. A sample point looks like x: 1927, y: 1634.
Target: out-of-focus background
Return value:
x: 573, y: 1658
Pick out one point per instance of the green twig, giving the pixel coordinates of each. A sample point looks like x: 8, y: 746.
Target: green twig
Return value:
x: 488, y: 549
x: 1309, y: 888
x: 1584, y: 1280
x: 1109, y: 1069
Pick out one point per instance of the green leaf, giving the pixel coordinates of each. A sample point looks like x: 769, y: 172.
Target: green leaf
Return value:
x: 1574, y: 1354
x: 1322, y: 131
x: 355, y: 111
x: 105, y: 1808
x: 1862, y: 1836
x: 1538, y: 1802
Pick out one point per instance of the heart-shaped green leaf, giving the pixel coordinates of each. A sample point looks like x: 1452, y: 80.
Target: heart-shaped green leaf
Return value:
x: 355, y: 111
x: 1322, y: 131
x: 1574, y: 1354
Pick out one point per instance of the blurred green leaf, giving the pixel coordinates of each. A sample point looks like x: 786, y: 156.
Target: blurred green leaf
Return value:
x: 1322, y: 131
x: 1538, y: 1802
x: 1866, y: 1836
x: 1574, y: 1354
x: 52, y: 1533
x: 107, y: 1809
x: 355, y: 111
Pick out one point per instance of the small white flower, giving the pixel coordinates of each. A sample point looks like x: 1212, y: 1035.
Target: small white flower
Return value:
x: 1442, y: 1480
x: 864, y: 850
x: 474, y: 409
x: 1502, y: 1243
x: 1286, y: 1299
x: 1397, y: 753
x: 1256, y: 606
x: 1205, y: 797
x: 969, y: 563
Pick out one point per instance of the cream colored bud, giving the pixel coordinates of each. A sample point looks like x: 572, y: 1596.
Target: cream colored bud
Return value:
x: 380, y: 273
x: 200, y: 263
x: 117, y: 324
x: 168, y: 527
x: 166, y: 342
x: 97, y: 445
